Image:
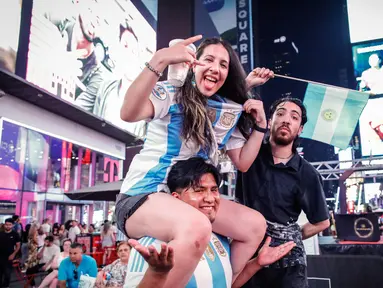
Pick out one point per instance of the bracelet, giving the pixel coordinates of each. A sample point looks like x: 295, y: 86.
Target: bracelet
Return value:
x: 158, y: 73
x: 260, y: 129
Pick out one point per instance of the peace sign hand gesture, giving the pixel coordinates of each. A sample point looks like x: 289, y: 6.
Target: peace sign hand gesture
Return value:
x: 180, y: 53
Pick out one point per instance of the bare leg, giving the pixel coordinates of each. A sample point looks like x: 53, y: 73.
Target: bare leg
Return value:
x: 186, y: 229
x: 48, y: 280
x: 54, y: 283
x: 245, y: 226
x: 104, y: 257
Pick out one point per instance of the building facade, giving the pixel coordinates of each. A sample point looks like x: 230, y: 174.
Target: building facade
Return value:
x: 44, y: 156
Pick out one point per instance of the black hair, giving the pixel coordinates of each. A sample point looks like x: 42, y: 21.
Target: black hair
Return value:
x: 75, y: 245
x: 188, y: 173
x: 9, y: 220
x: 297, y: 102
x: 49, y: 238
x: 15, y: 218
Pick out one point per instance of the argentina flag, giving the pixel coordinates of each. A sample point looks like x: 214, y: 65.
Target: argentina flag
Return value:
x: 332, y: 113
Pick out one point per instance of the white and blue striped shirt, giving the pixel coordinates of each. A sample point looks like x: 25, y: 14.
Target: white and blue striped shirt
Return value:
x: 213, y: 270
x: 164, y: 146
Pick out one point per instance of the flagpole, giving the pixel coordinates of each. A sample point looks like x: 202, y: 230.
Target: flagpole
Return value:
x: 313, y: 82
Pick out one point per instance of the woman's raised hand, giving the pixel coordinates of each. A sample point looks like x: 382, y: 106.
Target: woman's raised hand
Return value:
x: 180, y: 53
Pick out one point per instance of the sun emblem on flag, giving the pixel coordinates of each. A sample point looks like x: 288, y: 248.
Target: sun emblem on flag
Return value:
x: 329, y: 115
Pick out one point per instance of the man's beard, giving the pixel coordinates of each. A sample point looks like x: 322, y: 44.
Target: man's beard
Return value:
x: 281, y: 140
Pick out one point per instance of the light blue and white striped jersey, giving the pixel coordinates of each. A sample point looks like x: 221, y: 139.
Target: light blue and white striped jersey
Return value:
x: 213, y: 270
x: 164, y: 146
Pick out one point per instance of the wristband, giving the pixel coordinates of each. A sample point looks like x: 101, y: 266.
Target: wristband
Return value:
x: 158, y: 73
x: 260, y: 129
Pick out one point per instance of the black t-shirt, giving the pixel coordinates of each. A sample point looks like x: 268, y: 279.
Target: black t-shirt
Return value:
x: 281, y: 191
x: 8, y: 242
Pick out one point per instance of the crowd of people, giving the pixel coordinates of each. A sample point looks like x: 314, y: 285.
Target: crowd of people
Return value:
x: 41, y: 247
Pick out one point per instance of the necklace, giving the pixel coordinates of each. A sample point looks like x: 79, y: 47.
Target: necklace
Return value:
x: 283, y: 157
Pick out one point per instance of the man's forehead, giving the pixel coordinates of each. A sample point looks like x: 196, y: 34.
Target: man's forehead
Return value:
x: 207, y: 180
x: 289, y: 106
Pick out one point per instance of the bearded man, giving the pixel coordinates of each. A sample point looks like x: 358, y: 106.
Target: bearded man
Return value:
x: 280, y: 184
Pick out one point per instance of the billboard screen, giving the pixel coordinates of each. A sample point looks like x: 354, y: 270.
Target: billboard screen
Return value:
x: 88, y: 52
x: 364, y: 19
x: 10, y: 16
x: 368, y: 70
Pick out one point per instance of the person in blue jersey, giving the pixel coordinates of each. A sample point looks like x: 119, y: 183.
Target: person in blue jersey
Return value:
x: 212, y: 110
x: 195, y: 183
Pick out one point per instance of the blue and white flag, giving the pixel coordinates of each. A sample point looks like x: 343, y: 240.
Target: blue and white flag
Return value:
x: 332, y: 113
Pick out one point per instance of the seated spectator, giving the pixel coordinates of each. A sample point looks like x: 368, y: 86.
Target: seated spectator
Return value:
x: 56, y: 235
x: 51, y: 279
x: 32, y: 247
x: 114, y: 274
x: 74, y: 266
x: 91, y: 229
x: 74, y: 231
x: 63, y: 234
x: 46, y: 227
x: 46, y: 255
x: 160, y: 264
x: 84, y: 229
x: 40, y: 237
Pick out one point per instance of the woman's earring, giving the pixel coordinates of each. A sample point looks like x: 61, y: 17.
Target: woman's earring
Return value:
x: 193, y: 81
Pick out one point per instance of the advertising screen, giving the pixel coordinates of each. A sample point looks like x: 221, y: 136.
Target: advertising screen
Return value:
x: 10, y: 14
x: 368, y: 66
x: 371, y: 128
x: 365, y: 19
x: 88, y: 52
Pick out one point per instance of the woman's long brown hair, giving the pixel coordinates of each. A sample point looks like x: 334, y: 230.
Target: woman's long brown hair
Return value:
x: 195, y: 124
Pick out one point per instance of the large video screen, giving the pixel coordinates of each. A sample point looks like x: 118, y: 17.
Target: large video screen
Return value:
x: 10, y: 15
x: 368, y: 66
x: 365, y: 19
x: 371, y: 128
x: 88, y: 52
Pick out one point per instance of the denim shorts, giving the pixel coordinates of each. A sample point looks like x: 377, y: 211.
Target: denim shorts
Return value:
x: 125, y: 207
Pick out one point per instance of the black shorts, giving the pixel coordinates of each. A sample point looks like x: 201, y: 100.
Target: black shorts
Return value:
x: 125, y: 207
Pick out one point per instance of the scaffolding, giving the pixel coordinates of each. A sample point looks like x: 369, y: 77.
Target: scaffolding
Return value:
x: 353, y: 171
x: 371, y: 167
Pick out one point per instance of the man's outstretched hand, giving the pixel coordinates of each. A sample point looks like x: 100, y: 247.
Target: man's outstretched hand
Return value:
x: 161, y: 262
x: 268, y: 255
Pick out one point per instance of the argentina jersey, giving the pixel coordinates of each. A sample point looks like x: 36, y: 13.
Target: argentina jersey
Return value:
x: 224, y: 115
x: 163, y: 145
x: 213, y: 270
